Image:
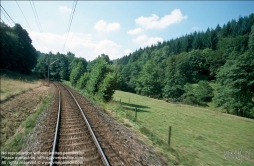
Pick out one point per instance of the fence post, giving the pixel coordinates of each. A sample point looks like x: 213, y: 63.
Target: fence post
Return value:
x: 169, y: 135
x: 136, y: 114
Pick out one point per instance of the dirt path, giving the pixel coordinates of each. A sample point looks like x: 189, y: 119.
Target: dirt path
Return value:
x: 15, y: 110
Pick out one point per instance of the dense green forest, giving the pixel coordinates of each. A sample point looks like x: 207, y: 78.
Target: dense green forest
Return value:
x: 212, y: 66
x: 17, y: 51
x: 216, y: 65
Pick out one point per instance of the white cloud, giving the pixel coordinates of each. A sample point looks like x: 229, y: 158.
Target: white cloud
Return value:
x: 144, y: 41
x: 140, y: 39
x: 82, y: 45
x: 135, y: 31
x: 64, y: 9
x: 104, y: 27
x: 195, y: 28
x: 154, y: 22
x: 127, y: 51
x: 152, y: 40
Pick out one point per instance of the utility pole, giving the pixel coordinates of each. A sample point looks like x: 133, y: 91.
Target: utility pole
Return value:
x: 48, y: 67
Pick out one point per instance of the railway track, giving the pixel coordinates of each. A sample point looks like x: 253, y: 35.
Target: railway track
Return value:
x: 70, y: 139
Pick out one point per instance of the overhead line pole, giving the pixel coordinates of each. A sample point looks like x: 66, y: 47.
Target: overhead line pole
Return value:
x: 48, y: 67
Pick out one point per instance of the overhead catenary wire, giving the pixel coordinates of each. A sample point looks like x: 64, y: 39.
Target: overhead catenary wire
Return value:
x: 36, y: 16
x: 7, y: 14
x: 70, y: 22
x: 26, y: 20
x: 23, y: 15
x: 14, y: 25
x: 5, y: 18
x: 37, y: 19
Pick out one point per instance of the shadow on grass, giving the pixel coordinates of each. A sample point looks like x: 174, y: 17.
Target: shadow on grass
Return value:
x: 132, y: 107
x: 17, y: 76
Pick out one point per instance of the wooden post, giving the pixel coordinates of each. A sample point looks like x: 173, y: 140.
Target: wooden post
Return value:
x: 136, y: 114
x: 169, y: 135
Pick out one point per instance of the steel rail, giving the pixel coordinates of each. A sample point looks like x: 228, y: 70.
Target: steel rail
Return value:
x: 57, y: 127
x: 104, y: 159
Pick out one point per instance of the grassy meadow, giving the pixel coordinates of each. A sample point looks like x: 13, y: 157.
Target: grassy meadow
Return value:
x: 13, y: 84
x: 199, y: 136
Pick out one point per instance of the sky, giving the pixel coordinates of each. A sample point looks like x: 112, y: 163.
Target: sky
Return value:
x: 117, y: 28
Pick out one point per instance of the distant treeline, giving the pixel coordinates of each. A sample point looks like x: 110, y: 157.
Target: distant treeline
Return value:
x: 216, y: 65
x: 17, y: 51
x: 96, y: 78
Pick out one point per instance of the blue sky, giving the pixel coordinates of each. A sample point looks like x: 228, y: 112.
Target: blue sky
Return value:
x: 117, y: 28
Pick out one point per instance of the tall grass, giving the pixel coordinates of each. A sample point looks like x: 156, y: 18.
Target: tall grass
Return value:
x: 13, y: 84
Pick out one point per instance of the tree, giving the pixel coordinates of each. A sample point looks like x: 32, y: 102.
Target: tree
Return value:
x: 177, y: 74
x: 251, y: 39
x: 203, y: 92
x: 42, y: 66
x: 236, y: 86
x: 97, y: 75
x: 147, y: 83
x: 17, y: 51
x: 82, y: 81
x: 108, y: 86
x: 76, y: 73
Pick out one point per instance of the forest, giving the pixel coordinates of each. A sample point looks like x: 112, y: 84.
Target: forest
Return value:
x: 198, y: 68
x: 212, y: 66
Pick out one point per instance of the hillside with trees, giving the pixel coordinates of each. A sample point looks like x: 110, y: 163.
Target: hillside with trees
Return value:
x: 199, y: 68
x: 212, y: 66
x: 17, y: 51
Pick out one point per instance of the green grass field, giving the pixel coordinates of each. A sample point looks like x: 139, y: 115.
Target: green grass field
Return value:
x: 199, y: 136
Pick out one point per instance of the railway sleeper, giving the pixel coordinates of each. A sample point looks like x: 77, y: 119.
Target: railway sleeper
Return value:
x: 77, y: 144
x: 75, y: 132
x: 79, y: 148
x: 93, y: 158
x: 74, y: 136
x: 73, y: 141
x: 72, y: 126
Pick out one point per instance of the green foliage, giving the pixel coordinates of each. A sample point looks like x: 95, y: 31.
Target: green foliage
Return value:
x: 189, y: 96
x: 82, y: 81
x: 97, y: 75
x: 147, y: 83
x: 59, y: 70
x: 197, y: 95
x: 76, y: 73
x: 203, y: 92
x: 251, y: 39
x: 108, y: 86
x: 177, y: 74
x: 17, y: 51
x: 169, y: 68
x: 236, y: 86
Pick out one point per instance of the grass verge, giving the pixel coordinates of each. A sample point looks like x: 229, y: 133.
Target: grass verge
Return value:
x: 13, y: 84
x: 16, y: 142
x: 199, y: 136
